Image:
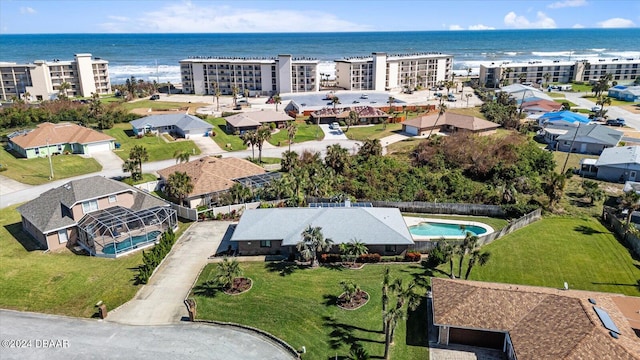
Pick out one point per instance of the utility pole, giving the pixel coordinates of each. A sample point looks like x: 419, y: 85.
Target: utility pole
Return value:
x: 570, y: 148
x: 50, y: 163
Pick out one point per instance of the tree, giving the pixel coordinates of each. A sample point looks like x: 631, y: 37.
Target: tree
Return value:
x: 391, y: 101
x: 335, y: 100
x: 313, y: 241
x: 337, y: 158
x: 277, y: 100
x: 469, y: 244
x: 217, y: 93
x: 447, y: 255
x: 250, y: 138
x: 139, y: 154
x: 62, y: 89
x: 181, y: 156
x: 442, y: 108
x: 391, y: 318
x: 505, y: 76
x: 27, y: 97
x: 226, y: 272
x: 292, y: 129
x: 546, y: 77
x: 179, y: 185
x: 522, y: 77
x: 469, y: 95
x: 386, y: 282
x: 406, y: 296
x: 370, y: 147
x: 234, y: 93
x: 353, y: 249
x: 262, y: 134
x: 554, y: 187
x: 602, y: 100
x: 352, y: 119
x: 240, y: 193
x: 131, y: 85
x: 476, y: 258
x: 631, y: 202
x: 592, y: 191
x: 289, y: 160
x: 601, y: 85
x: 349, y: 289
x: 130, y: 166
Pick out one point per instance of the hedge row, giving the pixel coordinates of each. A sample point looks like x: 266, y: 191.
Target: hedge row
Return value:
x: 153, y: 258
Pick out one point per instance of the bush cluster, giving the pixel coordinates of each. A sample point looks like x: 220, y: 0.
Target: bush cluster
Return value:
x: 153, y: 258
x: 412, y: 255
x: 330, y: 258
x: 369, y: 258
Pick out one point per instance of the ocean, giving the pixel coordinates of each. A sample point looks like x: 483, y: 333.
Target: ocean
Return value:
x: 156, y: 56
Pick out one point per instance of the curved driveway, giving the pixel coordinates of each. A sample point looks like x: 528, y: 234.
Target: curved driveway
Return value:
x: 93, y: 339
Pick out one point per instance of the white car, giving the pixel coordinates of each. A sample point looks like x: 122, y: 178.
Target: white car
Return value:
x: 596, y: 108
x: 334, y: 126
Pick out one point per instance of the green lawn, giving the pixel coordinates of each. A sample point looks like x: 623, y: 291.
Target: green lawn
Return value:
x: 580, y: 251
x: 157, y: 148
x: 222, y: 138
x: 37, y: 171
x: 563, y: 100
x: 306, y: 132
x: 614, y: 101
x: 298, y: 308
x: 377, y: 131
x: 159, y: 105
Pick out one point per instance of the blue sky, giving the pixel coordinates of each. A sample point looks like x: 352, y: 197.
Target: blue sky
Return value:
x: 181, y: 16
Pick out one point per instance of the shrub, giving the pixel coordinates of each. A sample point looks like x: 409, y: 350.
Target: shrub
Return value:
x: 330, y: 258
x: 412, y: 256
x: 153, y: 258
x: 369, y: 258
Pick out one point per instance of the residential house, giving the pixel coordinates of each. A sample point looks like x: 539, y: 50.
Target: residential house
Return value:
x: 181, y: 125
x: 625, y: 93
x: 528, y: 322
x: 562, y: 119
x: 536, y: 108
x: 619, y: 164
x: 246, y: 121
x: 103, y: 216
x: 524, y: 93
x: 588, y: 139
x: 448, y: 122
x: 366, y: 115
x: 212, y: 177
x: 62, y: 138
x: 278, y: 230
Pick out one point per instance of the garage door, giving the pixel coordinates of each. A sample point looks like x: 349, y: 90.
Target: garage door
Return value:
x: 97, y: 147
x: 411, y: 130
x: 488, y: 339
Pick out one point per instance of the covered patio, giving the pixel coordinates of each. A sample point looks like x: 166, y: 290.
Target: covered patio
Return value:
x: 117, y: 230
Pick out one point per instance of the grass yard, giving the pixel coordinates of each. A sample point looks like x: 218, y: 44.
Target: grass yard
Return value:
x: 60, y: 282
x: 376, y: 131
x: 222, y: 138
x: 37, y: 171
x: 580, y: 251
x: 563, y: 100
x: 159, y: 105
x: 301, y: 310
x: 471, y: 111
x: 156, y: 146
x: 614, y: 101
x: 573, y: 161
x: 306, y: 132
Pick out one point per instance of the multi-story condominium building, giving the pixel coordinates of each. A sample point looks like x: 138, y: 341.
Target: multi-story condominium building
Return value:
x: 42, y: 79
x: 258, y: 76
x: 539, y: 72
x: 382, y: 72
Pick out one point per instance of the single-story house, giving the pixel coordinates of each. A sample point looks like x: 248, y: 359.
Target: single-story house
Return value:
x: 619, y: 164
x: 448, y: 122
x: 253, y: 119
x: 212, y: 176
x: 540, y: 107
x: 103, y: 216
x: 588, y: 139
x: 527, y: 322
x: 563, y: 118
x: 278, y: 230
x: 182, y: 125
x: 588, y: 167
x: 62, y: 138
x: 625, y: 93
x: 366, y: 115
x: 524, y: 93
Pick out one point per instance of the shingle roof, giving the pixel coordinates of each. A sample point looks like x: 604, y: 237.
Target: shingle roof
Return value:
x: 466, y: 122
x: 47, y: 212
x: 211, y: 174
x: 541, y: 105
x: 182, y: 121
x: 593, y: 133
x: 619, y: 156
x: 61, y: 133
x: 373, y: 226
x: 256, y: 118
x: 543, y: 323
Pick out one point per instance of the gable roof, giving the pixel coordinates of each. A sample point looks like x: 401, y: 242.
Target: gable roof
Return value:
x: 182, y: 121
x: 619, y: 156
x: 373, y: 226
x: 593, y: 133
x: 466, y: 122
x: 211, y: 174
x: 46, y: 212
x: 541, y: 105
x: 543, y: 323
x: 256, y: 118
x: 61, y: 133
x: 363, y: 111
x: 565, y: 115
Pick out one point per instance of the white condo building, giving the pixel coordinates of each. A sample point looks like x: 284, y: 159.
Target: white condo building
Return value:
x: 258, y: 76
x: 42, y: 79
x: 622, y: 70
x: 383, y: 72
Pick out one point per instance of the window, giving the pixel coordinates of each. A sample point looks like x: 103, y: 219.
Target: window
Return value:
x: 37, y: 151
x: 265, y: 243
x: 113, y: 198
x: 89, y: 206
x: 62, y: 236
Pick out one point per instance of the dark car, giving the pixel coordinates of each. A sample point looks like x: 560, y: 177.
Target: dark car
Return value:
x: 155, y: 97
x: 616, y: 122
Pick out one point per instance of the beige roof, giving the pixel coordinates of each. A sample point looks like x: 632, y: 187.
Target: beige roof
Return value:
x: 466, y: 122
x: 211, y: 174
x: 256, y: 118
x: 542, y: 104
x: 543, y: 323
x: 62, y: 133
x: 362, y: 111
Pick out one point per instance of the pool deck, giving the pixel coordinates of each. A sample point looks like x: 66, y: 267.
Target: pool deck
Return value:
x: 412, y: 221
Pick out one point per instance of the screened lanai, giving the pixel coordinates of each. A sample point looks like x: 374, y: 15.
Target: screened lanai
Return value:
x: 117, y: 230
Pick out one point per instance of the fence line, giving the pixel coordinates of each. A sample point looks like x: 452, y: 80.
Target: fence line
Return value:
x: 620, y: 228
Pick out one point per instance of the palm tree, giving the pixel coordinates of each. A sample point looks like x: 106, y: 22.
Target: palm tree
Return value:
x: 277, y: 100
x: 226, y: 272
x: 592, y: 191
x: 217, y: 93
x: 448, y: 251
x: 139, y: 154
x: 505, y: 76
x: 603, y: 100
x: 312, y: 242
x: 130, y: 166
x: 350, y: 289
x: 240, y: 193
x: 62, y: 88
x: 522, y: 77
x: 354, y: 249
x: 546, y: 77
x: 181, y: 156
x: 234, y: 92
x: 469, y: 95
x: 391, y: 101
x: 386, y: 282
x: 391, y: 318
x: 250, y: 138
x: 370, y: 147
x: 179, y: 185
x: 631, y: 202
x: 442, y: 108
x: 554, y: 187
x: 262, y: 134
x: 292, y: 129
x: 468, y: 245
x: 335, y: 100
x: 352, y: 119
x: 405, y: 295
x: 337, y: 158
x: 476, y: 257
x: 289, y: 160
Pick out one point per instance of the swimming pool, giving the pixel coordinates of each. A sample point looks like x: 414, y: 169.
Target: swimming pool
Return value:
x: 435, y: 229
x: 130, y: 243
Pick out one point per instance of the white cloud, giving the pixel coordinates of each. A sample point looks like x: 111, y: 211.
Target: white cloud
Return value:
x: 118, y: 18
x: 520, y: 22
x: 481, y: 27
x: 578, y: 26
x: 27, y: 10
x: 567, y: 3
x: 202, y: 17
x: 616, y: 23
x: 455, y: 27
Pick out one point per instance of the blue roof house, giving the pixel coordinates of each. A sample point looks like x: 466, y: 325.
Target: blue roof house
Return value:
x: 563, y: 118
x: 625, y: 93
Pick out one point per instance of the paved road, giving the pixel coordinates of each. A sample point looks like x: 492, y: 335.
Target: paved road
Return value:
x: 94, y: 339
x: 614, y: 112
x: 161, y: 301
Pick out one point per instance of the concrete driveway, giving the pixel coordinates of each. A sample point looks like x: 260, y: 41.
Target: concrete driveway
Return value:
x: 108, y: 159
x: 206, y: 144
x: 161, y: 301
x: 94, y: 339
x: 331, y: 134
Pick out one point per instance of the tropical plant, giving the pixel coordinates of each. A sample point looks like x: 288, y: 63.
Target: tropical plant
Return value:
x: 62, y: 90
x: 216, y: 94
x: 442, y: 108
x: 353, y: 249
x: 349, y: 289
x: 335, y: 101
x: 469, y: 95
x: 226, y: 272
x: 292, y: 129
x: 522, y: 77
x: 277, y: 100
x: 181, y: 156
x: 553, y: 187
x: 630, y: 202
x: 240, y: 193
x: 289, y: 160
x: 337, y: 158
x: 370, y: 147
x: 407, y: 298
x: 447, y: 255
x: 179, y: 185
x: 386, y: 282
x: 546, y: 77
x: 139, y: 154
x: 262, y: 134
x: 130, y: 166
x: 391, y: 318
x: 391, y: 101
x: 352, y: 119
x: 469, y: 244
x: 313, y: 241
x: 234, y: 93
x: 476, y: 257
x: 592, y: 191
x: 250, y: 138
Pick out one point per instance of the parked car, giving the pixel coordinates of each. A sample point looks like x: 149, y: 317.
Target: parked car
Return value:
x: 616, y: 122
x: 451, y: 97
x: 155, y: 97
x: 334, y: 126
x: 596, y: 108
